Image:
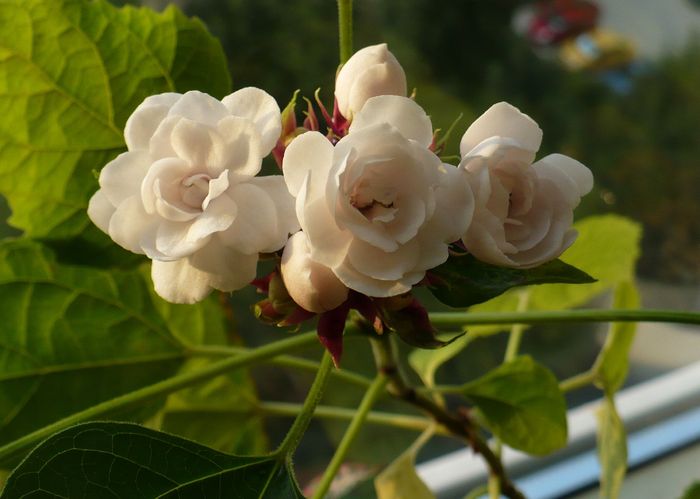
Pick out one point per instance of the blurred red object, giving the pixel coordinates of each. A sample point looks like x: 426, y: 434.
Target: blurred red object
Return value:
x: 554, y: 21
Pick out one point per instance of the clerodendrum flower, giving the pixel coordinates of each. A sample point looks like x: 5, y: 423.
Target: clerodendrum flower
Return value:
x: 186, y: 195
x: 370, y: 72
x: 523, y: 210
x: 379, y: 208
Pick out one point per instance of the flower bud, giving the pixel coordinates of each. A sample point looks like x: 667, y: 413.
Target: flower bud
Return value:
x: 371, y: 71
x: 311, y: 285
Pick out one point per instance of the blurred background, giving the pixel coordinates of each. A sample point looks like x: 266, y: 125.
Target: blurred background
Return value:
x: 613, y: 83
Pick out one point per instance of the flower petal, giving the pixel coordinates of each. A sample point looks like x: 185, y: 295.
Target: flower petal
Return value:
x: 218, y: 216
x: 129, y: 223
x: 239, y: 152
x: 309, y: 152
x: 287, y: 222
x: 502, y: 120
x: 228, y: 270
x: 174, y: 240
x: 100, y: 210
x: 579, y: 176
x: 254, y: 229
x: 401, y: 112
x: 200, y: 107
x: 145, y: 119
x: 179, y: 282
x: 379, y: 264
x: 121, y: 178
x: 262, y: 109
x: 375, y: 287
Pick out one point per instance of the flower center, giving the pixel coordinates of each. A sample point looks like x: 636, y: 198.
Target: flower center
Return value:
x: 375, y: 203
x: 194, y: 190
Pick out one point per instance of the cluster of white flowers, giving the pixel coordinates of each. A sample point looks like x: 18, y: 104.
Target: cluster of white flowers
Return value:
x: 376, y: 210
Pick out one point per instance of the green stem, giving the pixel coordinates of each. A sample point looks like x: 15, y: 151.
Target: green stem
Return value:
x: 459, y: 319
x: 345, y: 29
x: 457, y: 424
x: 368, y: 401
x: 402, y: 421
x: 516, y: 331
x: 282, y: 360
x: 158, y: 390
x: 578, y: 381
x: 301, y: 423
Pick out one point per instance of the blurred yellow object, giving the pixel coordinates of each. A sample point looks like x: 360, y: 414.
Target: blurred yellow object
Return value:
x: 597, y: 49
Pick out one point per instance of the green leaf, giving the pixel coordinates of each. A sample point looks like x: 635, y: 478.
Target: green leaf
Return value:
x: 463, y: 281
x: 71, y: 72
x: 521, y: 403
x: 72, y: 337
x: 221, y: 412
x: 612, y: 363
x: 400, y: 479
x: 96, y: 460
x: 607, y: 248
x: 612, y: 449
x: 692, y: 492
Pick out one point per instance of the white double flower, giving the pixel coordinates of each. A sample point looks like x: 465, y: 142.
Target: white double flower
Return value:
x: 523, y: 210
x: 186, y: 195
x: 379, y: 208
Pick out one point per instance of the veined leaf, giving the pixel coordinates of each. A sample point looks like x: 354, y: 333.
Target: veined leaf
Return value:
x: 463, y: 281
x: 106, y: 460
x: 71, y: 72
x: 612, y: 449
x: 521, y: 403
x: 72, y: 337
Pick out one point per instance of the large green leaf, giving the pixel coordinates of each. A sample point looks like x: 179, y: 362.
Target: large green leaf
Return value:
x: 426, y: 362
x: 692, y: 491
x: 73, y: 336
x: 612, y: 449
x: 463, y: 281
x: 521, y: 403
x: 71, y: 72
x: 107, y: 460
x: 219, y: 413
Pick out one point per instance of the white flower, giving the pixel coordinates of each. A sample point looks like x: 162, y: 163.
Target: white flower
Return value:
x: 523, y: 211
x: 185, y: 193
x: 379, y: 208
x: 311, y: 285
x: 371, y: 71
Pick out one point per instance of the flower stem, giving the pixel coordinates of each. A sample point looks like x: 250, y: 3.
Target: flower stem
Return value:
x: 345, y: 29
x: 301, y: 423
x: 282, y: 360
x: 578, y: 381
x: 371, y: 395
x: 17, y: 447
x: 516, y: 331
x: 401, y: 421
x: 458, y: 424
x: 458, y: 319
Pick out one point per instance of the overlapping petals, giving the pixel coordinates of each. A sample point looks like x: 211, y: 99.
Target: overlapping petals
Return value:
x: 523, y: 210
x: 379, y: 208
x: 185, y: 193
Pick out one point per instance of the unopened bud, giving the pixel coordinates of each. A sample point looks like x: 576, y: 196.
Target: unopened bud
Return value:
x: 311, y: 285
x: 371, y: 71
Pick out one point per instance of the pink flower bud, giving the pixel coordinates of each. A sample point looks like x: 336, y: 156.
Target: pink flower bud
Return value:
x: 371, y: 71
x: 311, y: 285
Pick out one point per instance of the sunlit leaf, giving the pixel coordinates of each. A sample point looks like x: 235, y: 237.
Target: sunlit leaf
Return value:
x: 71, y: 72
x: 400, y: 479
x: 521, y: 403
x: 612, y: 363
x: 692, y: 492
x: 612, y: 449
x: 96, y: 460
